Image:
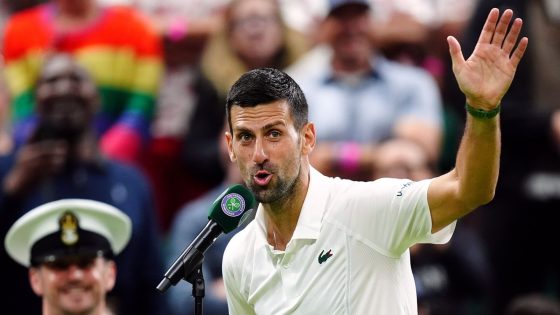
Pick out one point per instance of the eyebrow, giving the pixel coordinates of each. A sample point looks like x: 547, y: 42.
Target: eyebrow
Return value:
x: 265, y: 127
x: 273, y: 124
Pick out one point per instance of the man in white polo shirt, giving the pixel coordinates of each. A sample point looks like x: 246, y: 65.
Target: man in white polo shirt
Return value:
x: 323, y: 245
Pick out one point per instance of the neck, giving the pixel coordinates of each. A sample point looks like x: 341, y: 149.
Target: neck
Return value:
x: 350, y: 65
x: 84, y: 148
x: 282, y: 216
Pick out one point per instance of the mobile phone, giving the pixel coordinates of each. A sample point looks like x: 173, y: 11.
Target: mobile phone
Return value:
x: 44, y: 132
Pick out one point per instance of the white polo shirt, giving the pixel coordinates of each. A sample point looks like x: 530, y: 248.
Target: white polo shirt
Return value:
x: 348, y: 254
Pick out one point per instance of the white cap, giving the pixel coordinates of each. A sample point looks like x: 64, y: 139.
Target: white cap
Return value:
x: 59, y: 218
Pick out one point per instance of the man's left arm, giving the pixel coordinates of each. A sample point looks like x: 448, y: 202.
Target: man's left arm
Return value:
x: 484, y: 78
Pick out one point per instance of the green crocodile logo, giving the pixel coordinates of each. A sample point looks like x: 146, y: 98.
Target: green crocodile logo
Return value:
x: 323, y: 257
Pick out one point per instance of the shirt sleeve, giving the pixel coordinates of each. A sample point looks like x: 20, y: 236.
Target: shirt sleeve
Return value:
x: 391, y: 215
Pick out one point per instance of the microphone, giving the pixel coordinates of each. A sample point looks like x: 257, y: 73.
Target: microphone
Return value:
x: 228, y: 211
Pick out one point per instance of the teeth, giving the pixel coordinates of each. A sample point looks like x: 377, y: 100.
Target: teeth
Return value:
x: 75, y: 290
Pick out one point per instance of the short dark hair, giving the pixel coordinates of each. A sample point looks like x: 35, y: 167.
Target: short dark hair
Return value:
x: 264, y: 86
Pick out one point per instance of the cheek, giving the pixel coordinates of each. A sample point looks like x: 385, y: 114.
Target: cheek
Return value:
x: 242, y: 154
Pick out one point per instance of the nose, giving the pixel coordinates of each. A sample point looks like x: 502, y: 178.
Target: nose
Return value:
x: 259, y: 154
x: 74, y: 272
x: 64, y: 86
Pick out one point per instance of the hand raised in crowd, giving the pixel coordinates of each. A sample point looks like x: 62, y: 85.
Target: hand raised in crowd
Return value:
x: 487, y: 74
x: 34, y: 162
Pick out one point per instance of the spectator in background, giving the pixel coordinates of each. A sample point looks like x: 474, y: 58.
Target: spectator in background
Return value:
x: 450, y: 279
x: 61, y: 160
x: 357, y: 98
x: 115, y: 44
x: 185, y: 25
x: 304, y: 16
x: 254, y: 36
x: 410, y: 30
x: 188, y: 223
x: 183, y: 160
x: 69, y: 247
x: 525, y: 212
x: 402, y: 158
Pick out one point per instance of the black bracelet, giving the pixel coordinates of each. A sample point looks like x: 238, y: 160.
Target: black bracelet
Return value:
x: 482, y: 114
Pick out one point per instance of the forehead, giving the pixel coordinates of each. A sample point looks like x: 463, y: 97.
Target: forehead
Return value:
x: 245, y: 8
x: 260, y: 116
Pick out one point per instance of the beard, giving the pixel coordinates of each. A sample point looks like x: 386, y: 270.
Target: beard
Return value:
x: 279, y: 187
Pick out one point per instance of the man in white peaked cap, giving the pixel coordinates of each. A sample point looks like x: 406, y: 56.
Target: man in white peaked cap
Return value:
x: 69, y: 246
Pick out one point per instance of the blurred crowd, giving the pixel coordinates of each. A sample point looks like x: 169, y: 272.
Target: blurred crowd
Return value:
x: 123, y: 101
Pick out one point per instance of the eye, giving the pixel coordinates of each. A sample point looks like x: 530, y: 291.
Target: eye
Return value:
x: 245, y: 137
x: 85, y: 263
x: 274, y: 134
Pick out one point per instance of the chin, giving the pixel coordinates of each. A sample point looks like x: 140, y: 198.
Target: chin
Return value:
x: 78, y: 304
x: 79, y: 308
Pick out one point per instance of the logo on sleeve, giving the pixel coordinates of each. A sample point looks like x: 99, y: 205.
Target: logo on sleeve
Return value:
x: 400, y: 192
x: 324, y: 256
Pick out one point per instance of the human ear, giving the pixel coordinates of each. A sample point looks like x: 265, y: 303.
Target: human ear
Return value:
x: 36, y: 281
x: 308, y: 138
x: 110, y: 275
x: 229, y: 140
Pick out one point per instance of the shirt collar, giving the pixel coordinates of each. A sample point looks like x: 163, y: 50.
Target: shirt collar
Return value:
x: 371, y: 74
x: 312, y: 211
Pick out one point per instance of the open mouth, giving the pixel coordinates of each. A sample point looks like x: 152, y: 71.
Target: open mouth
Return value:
x: 262, y: 178
x: 74, y: 290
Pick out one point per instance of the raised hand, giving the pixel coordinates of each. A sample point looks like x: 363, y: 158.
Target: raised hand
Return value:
x: 486, y: 75
x: 33, y: 163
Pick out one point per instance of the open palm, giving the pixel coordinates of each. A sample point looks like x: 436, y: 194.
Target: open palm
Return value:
x: 486, y: 75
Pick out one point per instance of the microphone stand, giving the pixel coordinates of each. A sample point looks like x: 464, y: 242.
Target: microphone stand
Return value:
x: 189, y: 265
x: 196, y: 278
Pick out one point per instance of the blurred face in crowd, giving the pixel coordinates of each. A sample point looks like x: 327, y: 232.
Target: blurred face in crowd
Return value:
x: 75, y: 6
x: 268, y: 149
x: 74, y: 287
x: 255, y: 31
x: 400, y: 158
x: 66, y: 97
x: 348, y: 31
